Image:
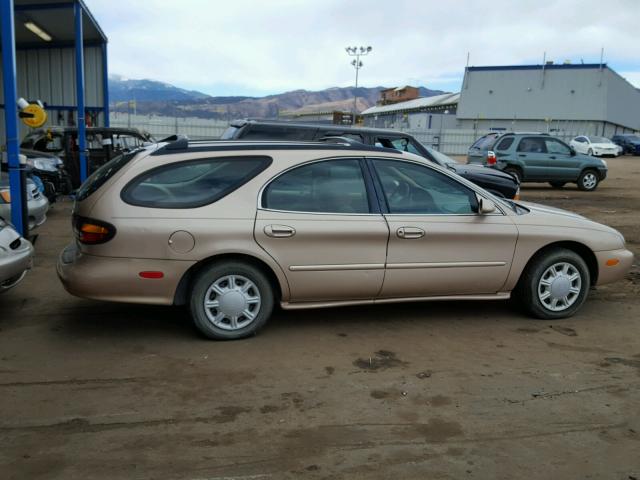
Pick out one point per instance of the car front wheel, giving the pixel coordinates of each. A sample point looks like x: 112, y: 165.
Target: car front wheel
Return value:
x: 554, y: 285
x: 231, y: 301
x: 588, y: 180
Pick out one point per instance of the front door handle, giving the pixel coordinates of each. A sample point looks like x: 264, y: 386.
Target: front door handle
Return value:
x: 522, y: 154
x: 552, y: 157
x: 410, y: 232
x: 279, y: 231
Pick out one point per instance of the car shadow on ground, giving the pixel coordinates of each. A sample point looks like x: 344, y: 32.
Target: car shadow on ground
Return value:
x: 118, y: 321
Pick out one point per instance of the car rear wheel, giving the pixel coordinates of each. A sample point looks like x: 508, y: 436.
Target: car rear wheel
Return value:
x: 557, y: 184
x: 231, y: 300
x: 514, y: 172
x: 554, y: 285
x: 588, y: 180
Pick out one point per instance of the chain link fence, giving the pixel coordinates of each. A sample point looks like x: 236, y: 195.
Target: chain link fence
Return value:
x: 159, y: 127
x: 451, y: 141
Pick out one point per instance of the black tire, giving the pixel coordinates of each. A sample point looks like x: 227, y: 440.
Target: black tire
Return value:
x: 212, y: 274
x: 514, y: 172
x: 527, y: 290
x: 588, y: 180
x: 557, y: 184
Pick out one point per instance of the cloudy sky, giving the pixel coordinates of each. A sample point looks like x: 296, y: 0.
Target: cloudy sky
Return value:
x: 259, y: 47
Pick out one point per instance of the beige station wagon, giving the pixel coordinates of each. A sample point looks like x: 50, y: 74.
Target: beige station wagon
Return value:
x: 231, y: 228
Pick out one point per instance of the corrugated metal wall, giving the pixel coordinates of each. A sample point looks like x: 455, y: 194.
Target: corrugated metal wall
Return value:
x: 49, y: 74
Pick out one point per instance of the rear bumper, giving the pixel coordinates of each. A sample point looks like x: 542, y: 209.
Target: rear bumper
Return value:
x: 118, y: 279
x: 613, y: 273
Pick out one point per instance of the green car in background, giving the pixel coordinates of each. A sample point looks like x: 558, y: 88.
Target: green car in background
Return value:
x: 538, y: 157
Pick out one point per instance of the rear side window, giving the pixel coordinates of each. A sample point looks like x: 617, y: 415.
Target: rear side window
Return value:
x: 331, y: 186
x: 505, y: 144
x: 532, y: 145
x: 103, y: 174
x: 192, y: 184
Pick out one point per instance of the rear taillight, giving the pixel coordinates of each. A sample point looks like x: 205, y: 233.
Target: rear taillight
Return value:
x: 491, y: 158
x: 92, y: 232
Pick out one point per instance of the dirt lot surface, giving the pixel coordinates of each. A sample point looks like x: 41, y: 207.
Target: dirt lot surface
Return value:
x: 413, y: 391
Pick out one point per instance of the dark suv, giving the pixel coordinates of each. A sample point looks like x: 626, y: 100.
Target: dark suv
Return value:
x: 629, y: 142
x: 538, y: 157
x: 491, y: 180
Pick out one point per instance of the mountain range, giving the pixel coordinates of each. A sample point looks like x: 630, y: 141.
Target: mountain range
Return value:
x: 158, y: 98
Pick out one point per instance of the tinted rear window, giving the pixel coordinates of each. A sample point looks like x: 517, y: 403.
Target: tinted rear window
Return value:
x: 192, y: 184
x: 484, y: 142
x: 102, y: 174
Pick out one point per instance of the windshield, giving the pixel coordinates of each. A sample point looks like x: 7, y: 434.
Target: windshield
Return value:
x: 599, y: 140
x: 229, y: 133
x: 104, y: 173
x: 440, y: 157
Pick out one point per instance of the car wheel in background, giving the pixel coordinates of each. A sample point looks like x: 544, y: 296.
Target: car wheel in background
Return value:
x: 231, y: 300
x: 588, y: 180
x: 514, y: 172
x: 554, y: 284
x: 557, y: 184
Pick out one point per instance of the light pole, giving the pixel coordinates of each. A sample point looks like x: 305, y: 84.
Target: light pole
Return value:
x: 357, y: 64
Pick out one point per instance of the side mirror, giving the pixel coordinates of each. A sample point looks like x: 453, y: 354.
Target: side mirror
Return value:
x: 485, y: 206
x: 573, y: 151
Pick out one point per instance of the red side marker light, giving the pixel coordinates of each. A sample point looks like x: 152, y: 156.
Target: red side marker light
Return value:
x: 151, y: 274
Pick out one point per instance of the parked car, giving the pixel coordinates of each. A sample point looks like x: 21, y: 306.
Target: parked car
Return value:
x: 47, y: 169
x: 489, y: 179
x: 629, y: 142
x: 102, y: 144
x: 37, y: 203
x: 596, y: 146
x: 231, y: 228
x: 538, y: 157
x: 15, y: 257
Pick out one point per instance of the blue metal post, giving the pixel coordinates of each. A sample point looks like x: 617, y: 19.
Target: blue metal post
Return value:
x: 11, y: 116
x: 105, y: 85
x: 82, y: 128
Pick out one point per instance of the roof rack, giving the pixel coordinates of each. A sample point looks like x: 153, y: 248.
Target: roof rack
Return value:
x: 177, y: 143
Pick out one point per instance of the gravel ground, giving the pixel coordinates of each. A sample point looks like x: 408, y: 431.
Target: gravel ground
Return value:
x: 430, y: 390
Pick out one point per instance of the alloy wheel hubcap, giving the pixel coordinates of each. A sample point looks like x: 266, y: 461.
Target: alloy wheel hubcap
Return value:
x: 560, y: 286
x: 232, y: 302
x: 589, y: 181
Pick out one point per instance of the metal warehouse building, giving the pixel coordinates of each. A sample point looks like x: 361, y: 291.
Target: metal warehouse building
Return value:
x: 53, y: 51
x: 585, y: 98
x: 426, y: 113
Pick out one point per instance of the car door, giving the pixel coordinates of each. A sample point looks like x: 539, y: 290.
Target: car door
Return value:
x: 320, y: 222
x: 438, y: 244
x: 532, y: 152
x: 562, y: 165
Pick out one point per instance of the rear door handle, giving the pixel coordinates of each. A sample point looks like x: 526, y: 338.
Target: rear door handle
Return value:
x: 279, y: 231
x: 552, y: 157
x: 522, y: 154
x: 408, y: 233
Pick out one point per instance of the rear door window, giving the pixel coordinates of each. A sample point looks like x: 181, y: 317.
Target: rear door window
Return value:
x: 532, y: 145
x: 194, y: 183
x: 331, y: 186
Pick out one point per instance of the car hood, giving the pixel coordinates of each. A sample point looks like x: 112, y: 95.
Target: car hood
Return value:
x: 461, y: 169
x: 556, y: 217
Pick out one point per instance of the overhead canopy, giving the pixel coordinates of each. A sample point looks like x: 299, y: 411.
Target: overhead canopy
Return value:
x: 56, y: 18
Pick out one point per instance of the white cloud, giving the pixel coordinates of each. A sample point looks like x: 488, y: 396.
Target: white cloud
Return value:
x: 253, y: 46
